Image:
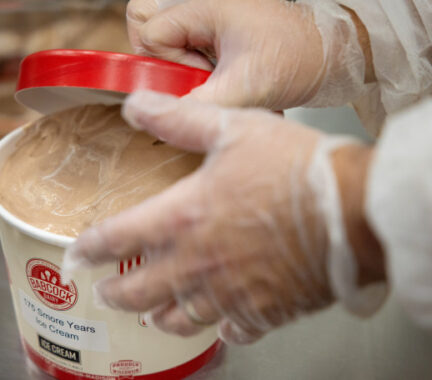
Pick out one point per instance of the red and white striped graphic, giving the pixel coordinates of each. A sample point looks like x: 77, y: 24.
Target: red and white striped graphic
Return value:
x: 124, y: 267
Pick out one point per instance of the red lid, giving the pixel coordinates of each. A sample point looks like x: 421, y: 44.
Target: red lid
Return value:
x: 53, y: 80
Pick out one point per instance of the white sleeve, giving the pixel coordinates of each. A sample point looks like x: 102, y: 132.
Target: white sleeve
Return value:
x: 400, y: 32
x: 399, y: 207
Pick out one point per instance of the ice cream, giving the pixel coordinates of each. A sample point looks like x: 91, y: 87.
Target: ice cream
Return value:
x: 75, y: 168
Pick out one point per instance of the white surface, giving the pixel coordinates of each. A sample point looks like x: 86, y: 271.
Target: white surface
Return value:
x: 399, y: 200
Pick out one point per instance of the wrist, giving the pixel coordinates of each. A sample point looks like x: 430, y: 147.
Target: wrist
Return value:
x: 364, y: 41
x: 351, y: 165
x: 346, y: 64
x: 309, y: 48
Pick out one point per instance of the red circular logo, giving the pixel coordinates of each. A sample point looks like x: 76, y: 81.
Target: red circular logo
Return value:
x: 45, y: 280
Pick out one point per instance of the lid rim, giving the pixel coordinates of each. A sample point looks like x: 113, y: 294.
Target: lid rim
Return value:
x: 119, y: 73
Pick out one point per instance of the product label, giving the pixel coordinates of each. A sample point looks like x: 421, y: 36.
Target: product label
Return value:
x: 73, y: 332
x: 60, y: 351
x: 45, y: 280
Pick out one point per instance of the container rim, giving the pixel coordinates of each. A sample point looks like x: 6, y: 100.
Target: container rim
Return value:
x: 34, y: 232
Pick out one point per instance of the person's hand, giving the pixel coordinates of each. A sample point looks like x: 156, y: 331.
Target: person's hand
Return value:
x: 239, y: 239
x: 269, y: 53
x: 240, y: 242
x: 273, y: 54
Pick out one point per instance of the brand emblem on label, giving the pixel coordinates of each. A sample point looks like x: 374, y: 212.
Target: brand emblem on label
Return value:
x: 125, y: 368
x: 45, y: 280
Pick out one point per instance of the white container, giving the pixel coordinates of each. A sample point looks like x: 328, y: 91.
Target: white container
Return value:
x: 61, y: 330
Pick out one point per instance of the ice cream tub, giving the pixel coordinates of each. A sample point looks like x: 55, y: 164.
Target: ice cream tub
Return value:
x: 62, y: 331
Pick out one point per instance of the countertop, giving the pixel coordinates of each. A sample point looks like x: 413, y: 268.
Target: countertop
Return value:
x: 331, y: 345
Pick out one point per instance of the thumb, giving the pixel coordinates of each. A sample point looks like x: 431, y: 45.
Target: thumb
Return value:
x: 223, y: 87
x: 184, y: 123
x: 172, y: 32
x: 138, y: 13
x: 230, y: 84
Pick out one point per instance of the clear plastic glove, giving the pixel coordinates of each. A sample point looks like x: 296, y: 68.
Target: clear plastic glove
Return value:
x: 243, y: 241
x: 400, y: 37
x: 278, y: 54
x: 273, y: 54
x: 240, y: 239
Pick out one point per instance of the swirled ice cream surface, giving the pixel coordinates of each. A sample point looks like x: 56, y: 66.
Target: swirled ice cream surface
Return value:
x: 73, y: 169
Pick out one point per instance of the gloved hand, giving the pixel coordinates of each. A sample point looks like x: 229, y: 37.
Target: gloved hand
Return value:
x: 273, y: 54
x: 240, y: 242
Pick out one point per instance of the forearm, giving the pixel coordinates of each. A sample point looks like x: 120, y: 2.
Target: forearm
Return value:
x: 398, y: 207
x: 351, y: 164
x: 399, y: 42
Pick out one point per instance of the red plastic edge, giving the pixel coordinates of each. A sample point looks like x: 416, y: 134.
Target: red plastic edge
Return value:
x: 118, y: 72
x: 176, y: 373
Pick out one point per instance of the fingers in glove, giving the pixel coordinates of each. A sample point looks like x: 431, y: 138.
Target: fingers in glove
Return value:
x: 168, y: 29
x: 232, y: 334
x: 144, y: 288
x: 149, y: 226
x: 176, y: 319
x: 182, y: 123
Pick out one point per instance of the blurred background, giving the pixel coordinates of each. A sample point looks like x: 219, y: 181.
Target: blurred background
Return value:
x: 27, y: 26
